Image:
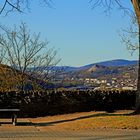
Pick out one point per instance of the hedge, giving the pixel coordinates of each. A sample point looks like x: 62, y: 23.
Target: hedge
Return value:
x: 37, y: 103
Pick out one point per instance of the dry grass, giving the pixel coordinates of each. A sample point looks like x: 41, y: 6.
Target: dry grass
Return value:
x: 89, y: 120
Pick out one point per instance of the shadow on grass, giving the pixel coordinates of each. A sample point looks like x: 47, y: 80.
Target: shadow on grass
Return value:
x: 104, y: 114
x: 18, y: 123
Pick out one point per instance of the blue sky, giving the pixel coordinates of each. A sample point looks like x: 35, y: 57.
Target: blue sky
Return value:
x: 81, y: 35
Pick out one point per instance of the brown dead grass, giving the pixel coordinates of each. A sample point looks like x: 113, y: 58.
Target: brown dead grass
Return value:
x: 89, y: 121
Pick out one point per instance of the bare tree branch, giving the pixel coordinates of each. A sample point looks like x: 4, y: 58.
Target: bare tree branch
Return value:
x: 27, y: 54
x: 129, y: 36
x: 7, y: 6
x: 108, y: 5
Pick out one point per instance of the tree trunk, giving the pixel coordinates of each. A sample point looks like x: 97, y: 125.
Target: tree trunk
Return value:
x: 138, y: 84
x: 136, y: 5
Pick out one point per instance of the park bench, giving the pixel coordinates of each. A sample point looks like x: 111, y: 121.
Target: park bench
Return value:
x: 12, y: 112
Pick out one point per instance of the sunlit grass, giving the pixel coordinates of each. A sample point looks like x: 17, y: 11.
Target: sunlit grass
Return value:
x: 106, y: 122
x: 91, y: 120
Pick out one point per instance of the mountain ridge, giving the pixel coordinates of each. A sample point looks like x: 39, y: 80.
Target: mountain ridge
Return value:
x: 108, y: 63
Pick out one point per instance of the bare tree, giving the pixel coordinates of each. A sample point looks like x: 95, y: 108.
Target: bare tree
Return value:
x: 27, y: 54
x: 7, y: 6
x: 129, y: 36
x: 136, y: 5
x: 108, y: 5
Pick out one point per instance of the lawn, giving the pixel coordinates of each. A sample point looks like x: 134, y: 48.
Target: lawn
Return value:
x: 89, y: 121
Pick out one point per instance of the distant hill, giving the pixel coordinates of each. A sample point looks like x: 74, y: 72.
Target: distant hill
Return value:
x: 118, y: 62
x: 106, y: 69
x: 7, y: 77
x: 103, y: 70
x: 10, y: 79
x: 113, y: 63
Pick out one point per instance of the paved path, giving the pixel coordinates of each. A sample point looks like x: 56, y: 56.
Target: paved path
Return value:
x: 26, y: 131
x: 92, y: 135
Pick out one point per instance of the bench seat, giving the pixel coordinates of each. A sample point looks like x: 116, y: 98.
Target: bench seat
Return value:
x: 13, y: 112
